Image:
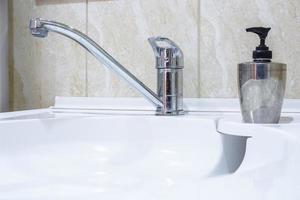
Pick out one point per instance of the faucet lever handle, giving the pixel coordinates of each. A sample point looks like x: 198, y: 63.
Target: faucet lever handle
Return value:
x: 167, y: 53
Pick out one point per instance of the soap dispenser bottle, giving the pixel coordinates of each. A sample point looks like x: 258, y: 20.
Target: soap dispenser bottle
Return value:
x: 261, y: 84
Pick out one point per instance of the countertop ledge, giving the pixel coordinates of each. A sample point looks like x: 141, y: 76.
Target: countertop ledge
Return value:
x: 141, y: 104
x: 226, y: 112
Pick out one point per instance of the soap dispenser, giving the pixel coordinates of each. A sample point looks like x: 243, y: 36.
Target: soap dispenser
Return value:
x: 261, y: 83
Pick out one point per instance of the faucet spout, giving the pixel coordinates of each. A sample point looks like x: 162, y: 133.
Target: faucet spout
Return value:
x: 40, y: 28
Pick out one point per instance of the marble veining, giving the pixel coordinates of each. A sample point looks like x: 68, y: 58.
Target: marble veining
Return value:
x: 126, y: 40
x: 224, y: 42
x: 211, y: 34
x: 43, y: 69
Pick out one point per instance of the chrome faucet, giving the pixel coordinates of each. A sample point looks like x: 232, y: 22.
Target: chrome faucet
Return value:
x: 169, y: 64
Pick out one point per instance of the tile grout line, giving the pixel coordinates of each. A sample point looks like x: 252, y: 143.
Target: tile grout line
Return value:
x: 11, y: 69
x: 198, y: 49
x: 86, y: 53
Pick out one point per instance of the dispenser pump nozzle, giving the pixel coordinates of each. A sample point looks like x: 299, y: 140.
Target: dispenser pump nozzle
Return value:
x: 261, y: 52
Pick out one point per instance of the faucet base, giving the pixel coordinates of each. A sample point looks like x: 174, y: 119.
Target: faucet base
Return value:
x: 161, y: 112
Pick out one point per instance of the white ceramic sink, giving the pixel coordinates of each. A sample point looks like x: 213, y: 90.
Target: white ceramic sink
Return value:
x: 113, y: 157
x: 88, y: 149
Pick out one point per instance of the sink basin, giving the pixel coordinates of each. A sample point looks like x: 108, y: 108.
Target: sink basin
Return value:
x: 113, y: 157
x: 112, y: 149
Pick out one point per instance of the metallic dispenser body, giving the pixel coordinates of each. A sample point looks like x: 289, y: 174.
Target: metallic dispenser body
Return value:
x: 261, y: 90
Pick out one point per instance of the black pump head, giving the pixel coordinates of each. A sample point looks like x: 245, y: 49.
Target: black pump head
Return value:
x: 261, y: 53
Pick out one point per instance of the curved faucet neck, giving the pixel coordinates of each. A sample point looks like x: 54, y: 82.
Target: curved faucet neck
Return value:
x: 40, y: 28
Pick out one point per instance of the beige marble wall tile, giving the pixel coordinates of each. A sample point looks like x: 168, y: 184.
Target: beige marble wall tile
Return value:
x: 44, y: 68
x: 224, y: 42
x: 122, y: 27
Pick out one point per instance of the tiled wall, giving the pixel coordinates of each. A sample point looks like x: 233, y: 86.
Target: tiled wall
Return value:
x: 210, y: 32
